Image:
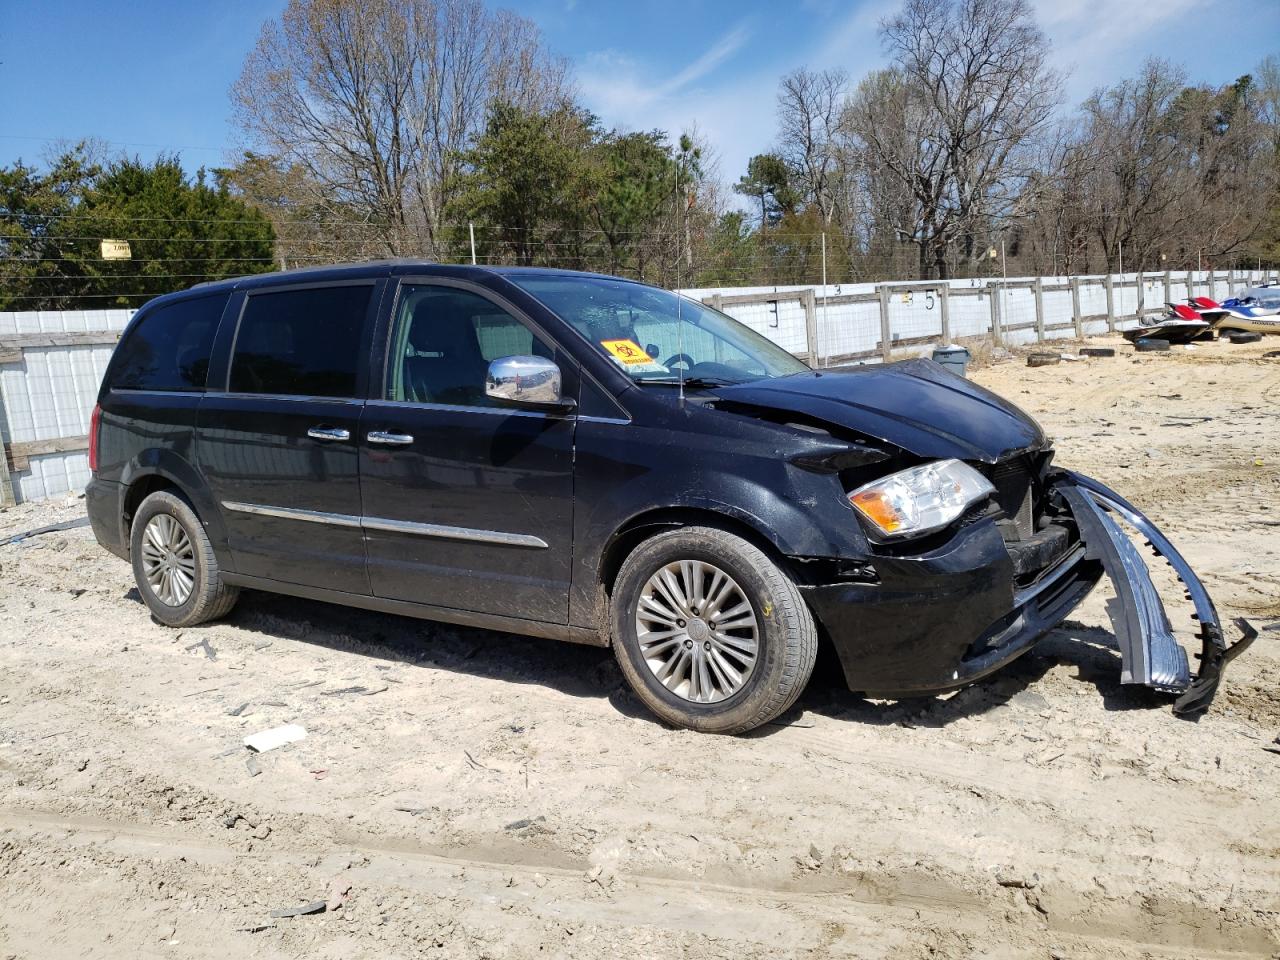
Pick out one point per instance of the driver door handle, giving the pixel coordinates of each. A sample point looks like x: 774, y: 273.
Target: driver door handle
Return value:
x: 395, y: 439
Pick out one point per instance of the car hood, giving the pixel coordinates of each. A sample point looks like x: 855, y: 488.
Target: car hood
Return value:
x: 914, y: 404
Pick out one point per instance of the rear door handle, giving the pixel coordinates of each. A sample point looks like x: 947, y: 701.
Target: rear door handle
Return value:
x: 329, y: 433
x: 396, y: 439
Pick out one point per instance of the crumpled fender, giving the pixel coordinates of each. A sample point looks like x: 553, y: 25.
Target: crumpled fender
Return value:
x: 1149, y: 653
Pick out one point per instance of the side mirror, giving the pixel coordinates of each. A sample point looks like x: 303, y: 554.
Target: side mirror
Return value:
x: 525, y: 380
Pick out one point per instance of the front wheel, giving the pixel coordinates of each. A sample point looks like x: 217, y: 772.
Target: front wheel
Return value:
x: 709, y: 632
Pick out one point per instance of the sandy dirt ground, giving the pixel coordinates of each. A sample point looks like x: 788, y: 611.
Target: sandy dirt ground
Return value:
x: 469, y: 794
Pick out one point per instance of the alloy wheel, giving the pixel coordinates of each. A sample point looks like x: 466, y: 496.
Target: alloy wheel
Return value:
x: 697, y: 631
x: 168, y: 560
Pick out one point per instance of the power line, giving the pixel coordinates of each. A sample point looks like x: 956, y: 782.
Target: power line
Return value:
x: 373, y: 228
x: 109, y: 143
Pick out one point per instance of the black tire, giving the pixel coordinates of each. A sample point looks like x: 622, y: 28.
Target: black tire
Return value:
x: 1043, y: 359
x: 787, y: 639
x: 1151, y: 346
x: 209, y: 598
x: 1098, y: 351
x: 1244, y: 336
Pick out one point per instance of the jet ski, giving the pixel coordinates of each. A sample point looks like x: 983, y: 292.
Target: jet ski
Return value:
x: 1257, y: 310
x: 1181, y: 325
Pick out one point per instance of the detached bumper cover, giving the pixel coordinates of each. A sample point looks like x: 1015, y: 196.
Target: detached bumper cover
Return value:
x: 1149, y: 653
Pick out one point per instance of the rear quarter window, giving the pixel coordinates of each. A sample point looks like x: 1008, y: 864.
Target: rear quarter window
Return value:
x: 301, y: 342
x: 168, y: 348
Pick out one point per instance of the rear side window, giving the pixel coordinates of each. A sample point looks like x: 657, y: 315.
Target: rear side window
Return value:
x: 168, y: 349
x: 301, y: 342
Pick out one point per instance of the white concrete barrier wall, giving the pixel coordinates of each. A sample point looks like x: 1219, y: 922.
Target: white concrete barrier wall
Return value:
x: 847, y: 320
x: 47, y: 392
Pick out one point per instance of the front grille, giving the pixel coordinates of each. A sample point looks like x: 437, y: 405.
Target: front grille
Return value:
x: 1015, y: 493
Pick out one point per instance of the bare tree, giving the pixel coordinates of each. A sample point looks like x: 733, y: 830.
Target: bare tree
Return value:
x: 1130, y: 195
x: 809, y: 111
x: 376, y: 99
x: 954, y: 122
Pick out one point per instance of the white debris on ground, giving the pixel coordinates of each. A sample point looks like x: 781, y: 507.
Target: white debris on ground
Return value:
x: 467, y: 794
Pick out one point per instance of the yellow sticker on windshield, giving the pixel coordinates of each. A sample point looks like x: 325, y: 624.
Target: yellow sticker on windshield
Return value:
x: 627, y: 351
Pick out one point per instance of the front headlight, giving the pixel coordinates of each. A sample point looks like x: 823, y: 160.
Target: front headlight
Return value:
x: 920, y: 500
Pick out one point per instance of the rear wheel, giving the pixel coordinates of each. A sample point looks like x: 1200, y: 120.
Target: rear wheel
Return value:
x: 174, y: 565
x: 709, y: 632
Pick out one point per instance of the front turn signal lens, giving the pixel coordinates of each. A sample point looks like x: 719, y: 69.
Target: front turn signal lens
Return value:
x: 877, y: 507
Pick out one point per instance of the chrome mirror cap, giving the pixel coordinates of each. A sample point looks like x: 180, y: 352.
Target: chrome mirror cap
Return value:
x: 533, y: 380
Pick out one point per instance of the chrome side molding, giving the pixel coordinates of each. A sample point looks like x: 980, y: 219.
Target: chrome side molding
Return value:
x: 293, y: 513
x: 454, y: 533
x: 436, y: 530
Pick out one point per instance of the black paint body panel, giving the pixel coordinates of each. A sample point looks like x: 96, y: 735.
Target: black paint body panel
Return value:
x: 488, y: 469
x: 256, y: 450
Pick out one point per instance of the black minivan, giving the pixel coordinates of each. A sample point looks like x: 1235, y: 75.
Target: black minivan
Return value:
x: 577, y: 456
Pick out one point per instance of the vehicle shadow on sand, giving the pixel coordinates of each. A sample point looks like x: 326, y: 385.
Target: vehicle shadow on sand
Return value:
x: 1090, y: 653
x: 591, y: 673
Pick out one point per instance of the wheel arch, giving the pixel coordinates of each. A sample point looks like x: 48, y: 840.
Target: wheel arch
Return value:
x: 644, y: 525
x: 157, y: 470
x: 139, y: 489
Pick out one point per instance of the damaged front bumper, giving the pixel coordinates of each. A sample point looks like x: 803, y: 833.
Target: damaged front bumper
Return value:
x: 1149, y: 653
x: 942, y: 619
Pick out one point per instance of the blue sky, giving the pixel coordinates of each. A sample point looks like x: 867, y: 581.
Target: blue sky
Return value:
x: 154, y: 74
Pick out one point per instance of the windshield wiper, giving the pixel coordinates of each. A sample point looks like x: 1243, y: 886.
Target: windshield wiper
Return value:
x: 688, y: 381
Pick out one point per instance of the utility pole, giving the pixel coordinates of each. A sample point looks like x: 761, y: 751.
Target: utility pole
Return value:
x: 824, y: 292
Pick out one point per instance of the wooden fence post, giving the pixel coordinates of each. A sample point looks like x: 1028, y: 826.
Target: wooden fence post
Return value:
x: 886, y: 346
x: 997, y: 335
x: 1168, y: 286
x: 1039, y: 292
x: 944, y: 304
x: 1111, y: 303
x: 1076, y: 318
x: 810, y: 302
x: 8, y: 493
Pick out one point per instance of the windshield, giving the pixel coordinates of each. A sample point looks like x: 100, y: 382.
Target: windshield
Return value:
x: 657, y: 337
x: 1267, y: 297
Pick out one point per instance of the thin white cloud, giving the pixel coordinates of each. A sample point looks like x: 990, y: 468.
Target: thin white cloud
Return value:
x: 616, y: 85
x: 855, y: 39
x: 718, y: 53
x: 1087, y: 38
x: 733, y: 110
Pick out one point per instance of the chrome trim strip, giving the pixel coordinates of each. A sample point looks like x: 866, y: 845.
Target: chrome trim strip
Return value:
x: 462, y: 408
x: 439, y: 531
x: 455, y: 533
x: 294, y: 513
